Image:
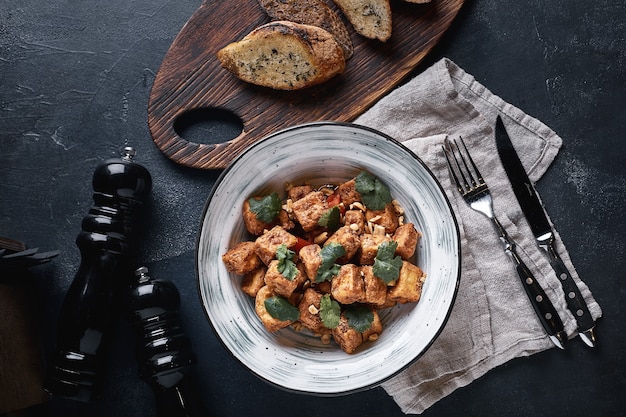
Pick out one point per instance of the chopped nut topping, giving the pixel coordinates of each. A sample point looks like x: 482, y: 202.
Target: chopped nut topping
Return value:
x: 357, y: 205
x: 313, y: 309
x: 378, y: 230
x: 376, y: 218
x: 397, y: 207
x: 321, y: 238
x: 288, y: 206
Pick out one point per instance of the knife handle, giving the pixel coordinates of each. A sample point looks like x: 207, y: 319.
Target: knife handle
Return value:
x: 575, y: 301
x: 545, y: 310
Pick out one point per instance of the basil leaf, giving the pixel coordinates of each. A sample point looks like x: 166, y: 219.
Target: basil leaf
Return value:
x: 280, y: 309
x: 374, y: 194
x: 386, y: 266
x: 328, y: 268
x: 286, y: 266
x: 360, y: 317
x: 267, y: 208
x: 329, y: 312
x: 330, y: 219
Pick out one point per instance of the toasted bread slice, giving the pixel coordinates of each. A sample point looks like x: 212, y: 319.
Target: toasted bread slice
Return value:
x: 310, y: 12
x: 370, y: 18
x: 285, y: 56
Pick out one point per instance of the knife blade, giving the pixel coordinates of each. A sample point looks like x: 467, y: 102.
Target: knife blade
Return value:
x: 543, y: 232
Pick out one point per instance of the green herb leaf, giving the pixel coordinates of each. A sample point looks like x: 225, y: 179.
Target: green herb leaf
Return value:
x: 360, y: 317
x: 286, y: 266
x: 330, y: 219
x: 329, y: 312
x: 386, y: 267
x: 374, y: 194
x: 327, y: 274
x: 267, y: 208
x: 329, y: 269
x: 280, y: 309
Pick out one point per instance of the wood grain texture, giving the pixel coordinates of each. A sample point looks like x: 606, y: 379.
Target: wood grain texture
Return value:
x: 191, y: 77
x: 21, y: 361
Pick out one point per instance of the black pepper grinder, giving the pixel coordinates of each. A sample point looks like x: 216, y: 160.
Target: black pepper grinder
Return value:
x: 92, y: 303
x: 162, y: 349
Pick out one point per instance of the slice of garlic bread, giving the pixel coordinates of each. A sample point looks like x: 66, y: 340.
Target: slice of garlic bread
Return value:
x: 370, y: 18
x: 285, y: 56
x: 310, y: 12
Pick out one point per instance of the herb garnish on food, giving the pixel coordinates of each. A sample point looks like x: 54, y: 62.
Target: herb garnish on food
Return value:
x: 360, y: 317
x: 329, y: 312
x: 286, y: 266
x: 280, y: 309
x: 374, y: 194
x: 328, y: 269
x: 386, y: 266
x: 330, y: 219
x: 266, y: 208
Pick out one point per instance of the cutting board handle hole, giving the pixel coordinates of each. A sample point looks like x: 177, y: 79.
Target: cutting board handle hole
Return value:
x: 208, y: 125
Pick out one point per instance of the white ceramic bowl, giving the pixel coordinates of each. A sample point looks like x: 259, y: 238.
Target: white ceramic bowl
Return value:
x: 324, y: 153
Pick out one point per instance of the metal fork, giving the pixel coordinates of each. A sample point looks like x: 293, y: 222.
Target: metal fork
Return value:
x: 476, y: 194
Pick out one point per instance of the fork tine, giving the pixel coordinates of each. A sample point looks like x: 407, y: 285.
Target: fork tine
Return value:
x: 480, y: 179
x: 464, y: 172
x: 468, y: 184
x: 446, y: 153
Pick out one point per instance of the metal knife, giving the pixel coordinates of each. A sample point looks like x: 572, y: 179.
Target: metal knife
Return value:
x: 544, y: 235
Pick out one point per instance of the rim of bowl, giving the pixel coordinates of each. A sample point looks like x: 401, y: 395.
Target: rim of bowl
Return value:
x: 457, y: 235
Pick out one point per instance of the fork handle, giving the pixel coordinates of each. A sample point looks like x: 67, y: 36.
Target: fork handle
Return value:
x: 573, y: 297
x: 545, y: 310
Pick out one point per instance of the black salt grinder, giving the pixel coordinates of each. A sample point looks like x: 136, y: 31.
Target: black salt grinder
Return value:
x: 162, y: 349
x: 92, y: 305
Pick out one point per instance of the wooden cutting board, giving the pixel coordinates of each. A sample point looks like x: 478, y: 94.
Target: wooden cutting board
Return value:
x: 191, y: 77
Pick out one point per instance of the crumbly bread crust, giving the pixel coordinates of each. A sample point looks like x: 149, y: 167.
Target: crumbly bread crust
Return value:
x: 370, y: 18
x: 284, y: 55
x: 310, y: 12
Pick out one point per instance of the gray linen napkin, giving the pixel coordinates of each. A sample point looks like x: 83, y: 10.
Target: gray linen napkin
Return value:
x: 492, y: 321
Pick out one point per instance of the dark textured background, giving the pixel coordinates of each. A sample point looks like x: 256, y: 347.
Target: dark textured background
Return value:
x: 74, y: 83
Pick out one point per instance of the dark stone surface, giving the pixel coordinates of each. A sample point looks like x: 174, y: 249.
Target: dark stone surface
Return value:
x: 74, y: 84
